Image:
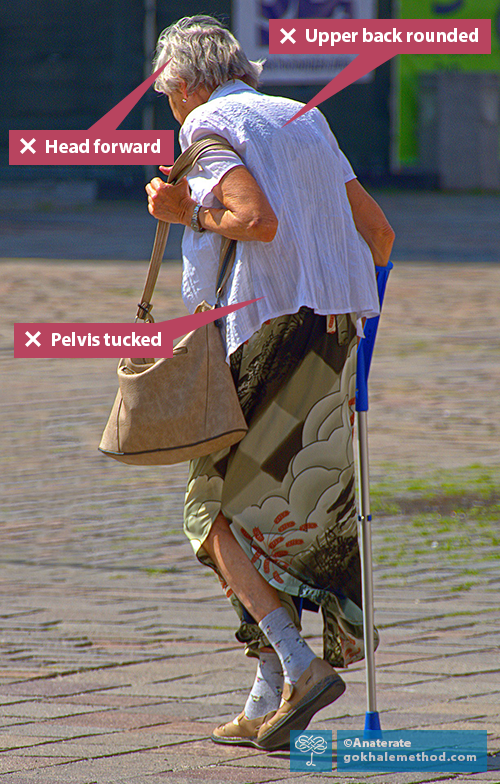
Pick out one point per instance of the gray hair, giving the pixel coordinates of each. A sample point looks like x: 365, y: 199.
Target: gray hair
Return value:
x: 202, y: 52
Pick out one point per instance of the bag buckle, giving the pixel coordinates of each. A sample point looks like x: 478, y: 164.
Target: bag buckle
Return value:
x: 144, y: 313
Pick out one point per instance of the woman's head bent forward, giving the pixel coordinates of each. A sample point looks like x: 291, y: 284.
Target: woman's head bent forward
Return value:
x: 203, y: 54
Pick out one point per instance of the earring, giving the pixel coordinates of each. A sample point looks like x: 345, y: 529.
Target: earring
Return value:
x: 184, y: 100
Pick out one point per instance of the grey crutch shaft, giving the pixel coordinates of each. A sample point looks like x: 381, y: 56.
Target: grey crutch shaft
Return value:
x: 366, y: 556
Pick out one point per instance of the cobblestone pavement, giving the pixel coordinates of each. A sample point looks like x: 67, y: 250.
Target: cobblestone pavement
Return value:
x: 117, y: 648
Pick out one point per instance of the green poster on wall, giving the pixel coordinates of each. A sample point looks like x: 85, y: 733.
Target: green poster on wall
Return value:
x: 410, y: 66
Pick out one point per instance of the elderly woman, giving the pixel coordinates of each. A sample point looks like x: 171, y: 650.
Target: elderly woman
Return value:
x: 275, y: 515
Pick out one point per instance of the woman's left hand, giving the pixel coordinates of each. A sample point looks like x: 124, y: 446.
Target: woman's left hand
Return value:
x: 170, y: 203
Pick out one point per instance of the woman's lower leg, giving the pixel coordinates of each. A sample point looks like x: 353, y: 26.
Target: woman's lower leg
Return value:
x: 255, y: 594
x: 265, y: 694
x: 259, y: 598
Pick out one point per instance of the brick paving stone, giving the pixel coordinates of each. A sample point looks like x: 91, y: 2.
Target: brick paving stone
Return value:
x: 44, y: 775
x: 220, y: 775
x: 107, y: 769
x: 16, y: 763
x: 463, y: 664
x: 386, y: 676
x: 484, y: 699
x: 302, y: 778
x: 37, y: 710
x: 181, y: 778
x: 446, y: 688
x: 417, y: 777
x: 103, y: 720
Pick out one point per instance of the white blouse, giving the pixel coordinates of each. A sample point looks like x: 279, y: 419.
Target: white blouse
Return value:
x: 317, y: 257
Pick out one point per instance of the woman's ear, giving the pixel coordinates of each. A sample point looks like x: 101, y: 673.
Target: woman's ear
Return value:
x: 183, y: 90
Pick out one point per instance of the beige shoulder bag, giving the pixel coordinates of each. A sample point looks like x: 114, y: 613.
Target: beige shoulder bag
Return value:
x: 185, y: 406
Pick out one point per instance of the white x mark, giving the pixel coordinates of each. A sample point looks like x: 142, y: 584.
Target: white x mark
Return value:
x: 286, y: 37
x: 32, y: 338
x: 27, y: 146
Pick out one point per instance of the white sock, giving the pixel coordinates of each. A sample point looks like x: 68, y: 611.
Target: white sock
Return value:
x: 265, y: 695
x: 294, y: 653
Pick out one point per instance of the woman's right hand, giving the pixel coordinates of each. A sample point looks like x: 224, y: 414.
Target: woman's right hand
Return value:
x: 168, y: 202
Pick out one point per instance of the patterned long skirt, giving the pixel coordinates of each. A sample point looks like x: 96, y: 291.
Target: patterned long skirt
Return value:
x: 287, y: 488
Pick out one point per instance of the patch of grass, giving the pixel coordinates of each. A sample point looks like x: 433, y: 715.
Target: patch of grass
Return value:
x: 445, y: 518
x: 472, y: 491
x: 462, y: 587
x: 160, y: 571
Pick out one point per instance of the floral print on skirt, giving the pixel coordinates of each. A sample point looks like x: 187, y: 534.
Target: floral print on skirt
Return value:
x: 288, y: 487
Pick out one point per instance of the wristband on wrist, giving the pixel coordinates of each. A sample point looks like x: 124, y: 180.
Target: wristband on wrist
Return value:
x: 195, y: 221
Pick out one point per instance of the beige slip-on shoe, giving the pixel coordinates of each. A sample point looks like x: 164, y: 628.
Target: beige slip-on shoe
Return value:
x: 316, y: 688
x: 239, y: 732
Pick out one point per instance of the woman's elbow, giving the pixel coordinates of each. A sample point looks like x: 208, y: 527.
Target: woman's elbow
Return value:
x: 263, y: 228
x: 383, y: 242
x: 270, y: 229
x: 389, y: 235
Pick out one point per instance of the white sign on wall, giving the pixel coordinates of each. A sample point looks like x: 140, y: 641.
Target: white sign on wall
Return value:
x: 251, y: 27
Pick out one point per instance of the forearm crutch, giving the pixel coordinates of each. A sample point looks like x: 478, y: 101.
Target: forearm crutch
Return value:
x: 364, y: 358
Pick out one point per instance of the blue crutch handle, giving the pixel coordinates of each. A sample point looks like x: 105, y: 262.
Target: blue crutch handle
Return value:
x: 367, y: 344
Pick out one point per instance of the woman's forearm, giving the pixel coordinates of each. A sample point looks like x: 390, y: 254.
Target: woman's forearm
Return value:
x: 245, y: 213
x: 252, y: 226
x: 371, y: 223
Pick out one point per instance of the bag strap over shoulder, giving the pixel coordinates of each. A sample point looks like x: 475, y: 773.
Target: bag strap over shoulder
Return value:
x: 182, y: 166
